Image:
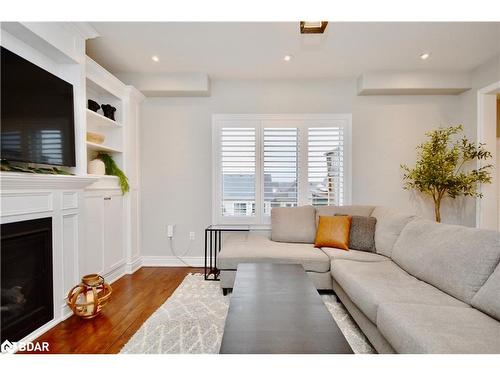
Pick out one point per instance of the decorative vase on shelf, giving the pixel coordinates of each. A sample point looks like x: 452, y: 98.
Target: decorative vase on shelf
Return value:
x: 93, y: 106
x: 109, y: 111
x: 96, y: 167
x: 89, y: 297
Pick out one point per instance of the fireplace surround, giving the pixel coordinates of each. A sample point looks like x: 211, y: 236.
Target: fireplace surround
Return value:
x: 27, y: 300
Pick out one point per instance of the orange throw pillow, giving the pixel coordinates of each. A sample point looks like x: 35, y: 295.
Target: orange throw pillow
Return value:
x: 333, y: 231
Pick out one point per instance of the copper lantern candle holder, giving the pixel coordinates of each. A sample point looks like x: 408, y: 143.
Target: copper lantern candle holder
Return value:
x: 89, y: 297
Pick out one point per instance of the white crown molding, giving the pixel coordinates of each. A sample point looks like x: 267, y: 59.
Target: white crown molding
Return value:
x: 135, y: 94
x: 413, y: 83
x: 50, y: 39
x: 168, y: 84
x: 104, y: 79
x: 84, y: 29
x: 32, y: 181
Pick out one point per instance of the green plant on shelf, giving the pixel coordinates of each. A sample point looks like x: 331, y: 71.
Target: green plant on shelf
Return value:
x: 7, y: 167
x: 112, y: 169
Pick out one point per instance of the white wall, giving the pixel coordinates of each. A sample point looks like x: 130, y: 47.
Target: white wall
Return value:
x: 386, y: 131
x: 176, y: 148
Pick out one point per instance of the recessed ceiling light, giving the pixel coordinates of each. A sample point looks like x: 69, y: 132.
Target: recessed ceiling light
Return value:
x: 313, y: 27
x: 287, y: 57
x: 425, y: 55
x: 155, y: 58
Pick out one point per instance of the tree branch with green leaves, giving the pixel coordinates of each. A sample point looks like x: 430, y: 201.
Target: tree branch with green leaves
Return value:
x: 443, y: 167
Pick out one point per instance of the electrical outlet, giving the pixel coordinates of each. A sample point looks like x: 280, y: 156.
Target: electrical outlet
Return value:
x: 191, y: 236
x: 170, y: 230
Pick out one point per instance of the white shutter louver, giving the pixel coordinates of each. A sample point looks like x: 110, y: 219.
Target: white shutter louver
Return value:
x: 280, y: 168
x: 238, y: 171
x: 326, y: 166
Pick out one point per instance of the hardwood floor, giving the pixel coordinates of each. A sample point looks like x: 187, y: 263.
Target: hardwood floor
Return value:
x: 135, y: 297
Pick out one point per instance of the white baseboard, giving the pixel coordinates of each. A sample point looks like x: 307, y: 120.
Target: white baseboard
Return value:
x: 65, y: 312
x: 115, y: 273
x: 171, y: 261
x: 134, y: 265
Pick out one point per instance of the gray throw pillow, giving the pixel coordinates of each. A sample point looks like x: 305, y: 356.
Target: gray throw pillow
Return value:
x: 362, y: 233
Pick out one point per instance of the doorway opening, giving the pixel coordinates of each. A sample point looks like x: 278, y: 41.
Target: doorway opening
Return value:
x: 488, y: 132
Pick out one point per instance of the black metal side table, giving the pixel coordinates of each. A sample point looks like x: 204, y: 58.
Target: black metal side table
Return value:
x: 213, y: 243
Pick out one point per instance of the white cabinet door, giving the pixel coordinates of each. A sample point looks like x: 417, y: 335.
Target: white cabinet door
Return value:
x: 114, y: 251
x: 91, y: 254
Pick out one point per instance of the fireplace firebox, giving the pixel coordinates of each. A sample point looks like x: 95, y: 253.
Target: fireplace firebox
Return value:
x: 26, y: 280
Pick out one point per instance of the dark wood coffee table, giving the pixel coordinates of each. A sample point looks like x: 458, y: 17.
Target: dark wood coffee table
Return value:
x: 276, y: 309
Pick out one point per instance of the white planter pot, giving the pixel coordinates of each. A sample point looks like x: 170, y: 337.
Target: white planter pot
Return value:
x: 96, y: 166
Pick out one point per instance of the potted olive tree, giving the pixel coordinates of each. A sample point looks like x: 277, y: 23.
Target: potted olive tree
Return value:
x: 444, y: 167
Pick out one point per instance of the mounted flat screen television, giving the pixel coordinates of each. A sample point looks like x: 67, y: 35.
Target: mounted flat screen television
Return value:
x: 37, y: 121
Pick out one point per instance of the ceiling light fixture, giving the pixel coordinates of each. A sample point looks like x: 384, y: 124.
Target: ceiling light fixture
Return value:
x: 287, y: 57
x: 313, y: 27
x: 155, y: 58
x: 425, y: 55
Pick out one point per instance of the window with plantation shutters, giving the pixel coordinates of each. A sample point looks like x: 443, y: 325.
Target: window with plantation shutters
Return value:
x: 280, y: 168
x: 325, y: 166
x: 261, y: 162
x: 238, y: 171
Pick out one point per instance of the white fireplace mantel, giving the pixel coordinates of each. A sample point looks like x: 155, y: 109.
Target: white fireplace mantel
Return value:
x: 32, y: 181
x: 29, y: 196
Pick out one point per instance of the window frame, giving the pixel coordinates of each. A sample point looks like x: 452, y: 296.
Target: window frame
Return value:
x: 260, y: 121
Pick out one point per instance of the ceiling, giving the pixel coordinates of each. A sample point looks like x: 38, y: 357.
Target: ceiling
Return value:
x: 245, y: 50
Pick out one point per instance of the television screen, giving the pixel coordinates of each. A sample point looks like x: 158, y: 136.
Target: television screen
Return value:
x: 37, y: 121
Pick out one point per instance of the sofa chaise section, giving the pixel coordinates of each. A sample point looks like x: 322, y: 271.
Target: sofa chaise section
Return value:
x: 257, y: 248
x: 291, y: 241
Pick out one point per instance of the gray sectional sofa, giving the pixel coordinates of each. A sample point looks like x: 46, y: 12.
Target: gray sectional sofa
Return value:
x: 425, y: 287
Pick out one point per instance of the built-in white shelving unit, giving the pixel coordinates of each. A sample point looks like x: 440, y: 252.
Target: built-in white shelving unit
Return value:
x: 104, y: 88
x: 111, y: 220
x: 95, y: 228
x: 91, y: 146
x: 97, y: 120
x: 59, y: 48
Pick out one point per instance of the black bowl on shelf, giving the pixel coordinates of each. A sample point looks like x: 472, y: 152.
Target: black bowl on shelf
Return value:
x: 109, y: 111
x: 93, y: 106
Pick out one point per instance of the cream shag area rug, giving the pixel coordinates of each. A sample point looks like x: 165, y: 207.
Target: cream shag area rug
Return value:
x: 192, y: 321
